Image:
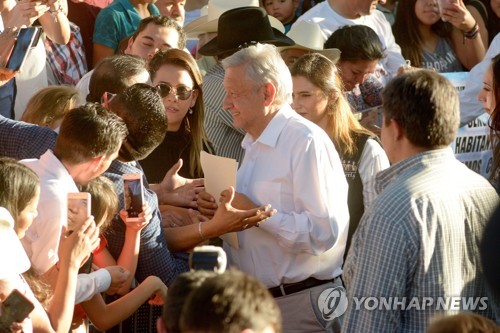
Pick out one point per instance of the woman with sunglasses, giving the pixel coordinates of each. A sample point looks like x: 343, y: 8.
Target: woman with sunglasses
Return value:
x: 178, y: 80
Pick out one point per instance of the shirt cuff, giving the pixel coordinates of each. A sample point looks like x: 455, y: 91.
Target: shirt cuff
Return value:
x: 89, y: 285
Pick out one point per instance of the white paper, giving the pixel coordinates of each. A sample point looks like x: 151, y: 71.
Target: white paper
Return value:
x: 220, y: 173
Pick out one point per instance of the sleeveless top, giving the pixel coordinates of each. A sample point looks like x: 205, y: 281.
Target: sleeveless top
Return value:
x: 350, y: 164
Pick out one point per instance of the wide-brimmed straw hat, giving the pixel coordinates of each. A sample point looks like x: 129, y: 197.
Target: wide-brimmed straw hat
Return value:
x: 243, y: 25
x: 307, y: 36
x: 13, y: 260
x: 208, y: 20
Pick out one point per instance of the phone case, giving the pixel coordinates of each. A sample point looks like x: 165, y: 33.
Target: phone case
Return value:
x: 133, y: 196
x: 26, y: 38
x: 15, y: 308
x: 79, y: 206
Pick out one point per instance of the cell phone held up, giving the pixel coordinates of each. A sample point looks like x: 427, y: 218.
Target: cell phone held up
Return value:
x: 27, y: 38
x: 79, y: 207
x: 133, y: 196
x: 208, y: 258
x: 15, y: 308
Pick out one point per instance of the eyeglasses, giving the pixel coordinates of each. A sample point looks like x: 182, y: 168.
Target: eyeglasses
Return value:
x: 183, y: 93
x: 106, y: 98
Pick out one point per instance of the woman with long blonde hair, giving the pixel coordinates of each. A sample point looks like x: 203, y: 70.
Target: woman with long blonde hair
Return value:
x: 318, y: 95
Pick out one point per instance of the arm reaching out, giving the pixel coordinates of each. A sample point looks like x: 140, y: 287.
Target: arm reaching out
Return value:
x: 176, y: 190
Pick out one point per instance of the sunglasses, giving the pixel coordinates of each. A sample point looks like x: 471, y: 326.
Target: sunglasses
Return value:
x: 183, y: 93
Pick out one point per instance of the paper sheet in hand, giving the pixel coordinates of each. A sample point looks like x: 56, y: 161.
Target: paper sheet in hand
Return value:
x: 220, y: 173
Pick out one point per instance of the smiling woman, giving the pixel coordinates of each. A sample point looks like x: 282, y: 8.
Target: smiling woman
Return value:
x: 178, y: 79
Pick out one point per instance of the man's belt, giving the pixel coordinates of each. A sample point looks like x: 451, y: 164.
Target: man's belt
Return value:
x: 291, y: 288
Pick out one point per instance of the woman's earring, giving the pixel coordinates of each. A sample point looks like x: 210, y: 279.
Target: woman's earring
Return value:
x: 190, y: 111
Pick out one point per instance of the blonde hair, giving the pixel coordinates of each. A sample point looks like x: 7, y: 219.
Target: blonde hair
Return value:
x: 50, y: 104
x: 104, y: 201
x: 465, y: 322
x: 342, y: 124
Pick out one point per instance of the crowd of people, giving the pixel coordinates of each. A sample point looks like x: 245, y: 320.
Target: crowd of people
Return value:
x: 350, y: 211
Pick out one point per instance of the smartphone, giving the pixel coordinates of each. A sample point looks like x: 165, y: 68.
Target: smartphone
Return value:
x: 444, y: 4
x: 26, y: 39
x: 79, y: 205
x: 209, y: 258
x: 15, y: 308
x: 133, y: 195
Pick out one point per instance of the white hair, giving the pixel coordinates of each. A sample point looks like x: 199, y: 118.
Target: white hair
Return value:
x: 263, y: 65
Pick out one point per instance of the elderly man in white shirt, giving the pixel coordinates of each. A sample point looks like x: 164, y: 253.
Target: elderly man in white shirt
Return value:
x: 292, y: 164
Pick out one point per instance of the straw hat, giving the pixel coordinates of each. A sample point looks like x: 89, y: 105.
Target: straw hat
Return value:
x: 13, y: 260
x: 239, y: 26
x: 208, y: 20
x: 307, y: 36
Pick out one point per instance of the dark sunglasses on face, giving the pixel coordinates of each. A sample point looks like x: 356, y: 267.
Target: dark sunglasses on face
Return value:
x: 183, y: 93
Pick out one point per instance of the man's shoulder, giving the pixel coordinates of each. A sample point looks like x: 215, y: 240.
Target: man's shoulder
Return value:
x: 318, y: 11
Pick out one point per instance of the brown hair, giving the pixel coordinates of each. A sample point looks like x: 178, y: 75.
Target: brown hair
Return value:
x: 50, y: 104
x: 104, y: 201
x: 193, y: 123
x: 425, y: 105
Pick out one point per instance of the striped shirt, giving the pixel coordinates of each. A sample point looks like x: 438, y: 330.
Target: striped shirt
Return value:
x: 219, y: 122
x: 419, y: 239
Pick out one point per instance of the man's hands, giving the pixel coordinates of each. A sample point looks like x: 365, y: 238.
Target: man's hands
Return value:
x: 232, y: 219
x: 176, y: 190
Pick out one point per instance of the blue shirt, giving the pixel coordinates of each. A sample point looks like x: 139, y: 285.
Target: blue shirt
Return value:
x: 20, y: 140
x: 118, y: 21
x: 419, y: 239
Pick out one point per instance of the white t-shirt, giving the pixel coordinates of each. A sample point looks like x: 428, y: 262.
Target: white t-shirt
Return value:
x: 329, y: 21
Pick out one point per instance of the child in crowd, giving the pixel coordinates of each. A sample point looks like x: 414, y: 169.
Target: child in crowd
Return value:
x: 283, y: 10
x: 19, y: 194
x: 49, y: 105
x: 104, y: 206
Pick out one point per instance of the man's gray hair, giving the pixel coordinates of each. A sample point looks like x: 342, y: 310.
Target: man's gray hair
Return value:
x: 264, y: 64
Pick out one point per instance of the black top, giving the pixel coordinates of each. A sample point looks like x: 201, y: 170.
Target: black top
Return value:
x: 175, y: 145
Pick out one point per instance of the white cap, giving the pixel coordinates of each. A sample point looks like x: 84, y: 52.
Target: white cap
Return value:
x: 208, y: 22
x: 307, y: 36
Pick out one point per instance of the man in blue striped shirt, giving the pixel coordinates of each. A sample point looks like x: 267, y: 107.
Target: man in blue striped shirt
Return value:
x: 415, y: 253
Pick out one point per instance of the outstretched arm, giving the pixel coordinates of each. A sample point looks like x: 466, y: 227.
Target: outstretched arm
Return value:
x: 105, y: 316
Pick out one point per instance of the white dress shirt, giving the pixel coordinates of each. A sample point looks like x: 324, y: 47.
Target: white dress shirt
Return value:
x: 293, y: 166
x: 41, y: 241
